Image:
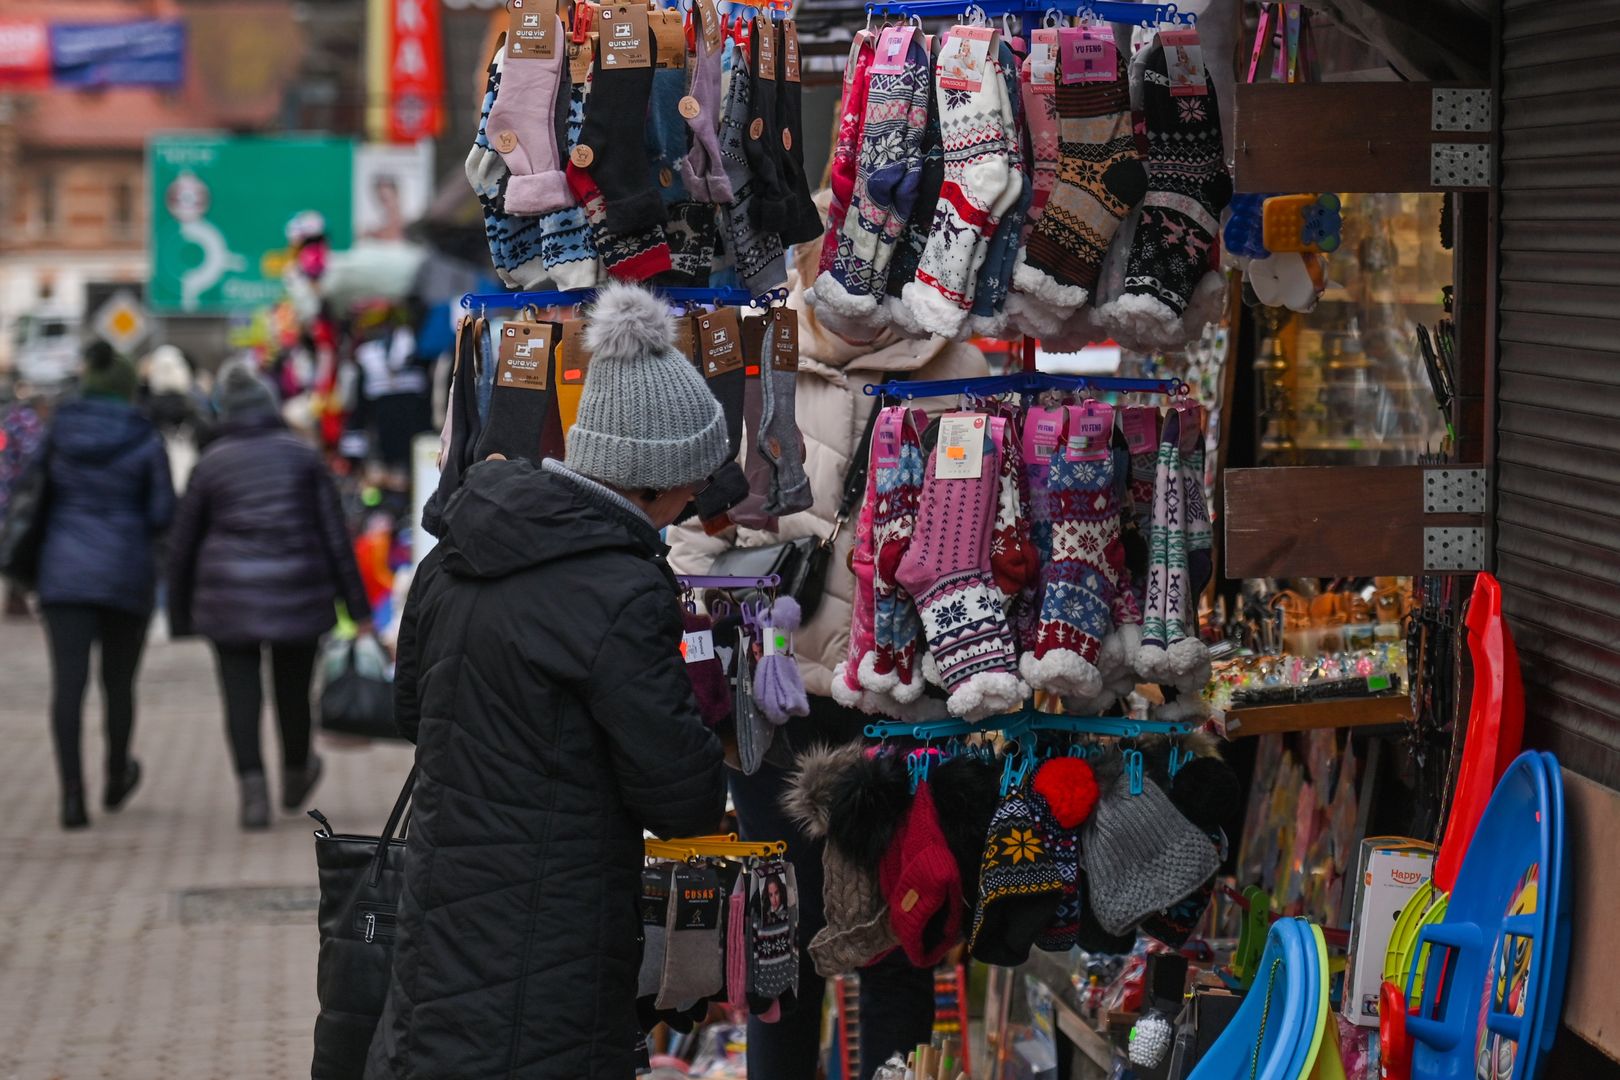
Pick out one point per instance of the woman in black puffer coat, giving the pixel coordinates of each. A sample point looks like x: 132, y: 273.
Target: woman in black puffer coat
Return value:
x: 259, y: 556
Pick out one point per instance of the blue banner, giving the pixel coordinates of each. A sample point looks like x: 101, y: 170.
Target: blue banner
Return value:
x: 150, y: 52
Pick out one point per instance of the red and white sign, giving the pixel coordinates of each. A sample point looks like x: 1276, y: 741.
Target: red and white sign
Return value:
x: 415, y: 71
x: 25, y: 55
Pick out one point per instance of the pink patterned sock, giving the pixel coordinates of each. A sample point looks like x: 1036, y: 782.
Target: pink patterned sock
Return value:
x: 897, y: 470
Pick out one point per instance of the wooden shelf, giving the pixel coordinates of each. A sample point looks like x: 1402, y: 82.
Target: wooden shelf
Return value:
x: 1074, y: 1028
x: 1310, y: 715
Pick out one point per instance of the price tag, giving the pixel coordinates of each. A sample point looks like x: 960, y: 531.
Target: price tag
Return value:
x: 581, y: 54
x: 1087, y: 55
x: 720, y: 338
x: 890, y: 57
x: 625, y: 37
x: 709, y: 14
x: 790, y: 51
x: 697, y: 646
x: 1090, y: 427
x: 960, y: 453
x: 1184, y: 63
x: 532, y: 29
x: 765, y: 48
x: 525, y: 360
x: 776, y: 642
x: 784, y: 339
x: 1042, y: 62
x: 574, y: 358
x: 886, y: 439
x: 965, y: 57
x: 1141, y: 423
x: 669, y: 33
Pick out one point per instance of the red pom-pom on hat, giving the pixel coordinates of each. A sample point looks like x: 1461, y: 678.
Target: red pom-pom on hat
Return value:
x: 1069, y: 787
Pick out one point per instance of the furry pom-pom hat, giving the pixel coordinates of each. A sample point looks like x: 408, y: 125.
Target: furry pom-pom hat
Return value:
x: 869, y: 800
x: 809, y: 797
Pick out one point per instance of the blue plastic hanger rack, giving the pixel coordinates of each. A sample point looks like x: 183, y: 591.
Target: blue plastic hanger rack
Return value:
x: 511, y: 301
x: 1027, y: 382
x: 1028, y: 720
x: 1113, y: 11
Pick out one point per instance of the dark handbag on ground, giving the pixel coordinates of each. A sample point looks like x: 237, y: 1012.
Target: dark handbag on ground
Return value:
x: 802, y: 563
x: 22, y: 533
x: 357, y: 694
x: 361, y: 881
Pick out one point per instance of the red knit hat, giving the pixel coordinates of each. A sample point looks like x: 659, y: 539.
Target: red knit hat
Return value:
x: 922, y: 884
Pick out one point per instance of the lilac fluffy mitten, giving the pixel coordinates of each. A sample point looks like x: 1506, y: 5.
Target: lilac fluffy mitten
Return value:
x: 778, y: 686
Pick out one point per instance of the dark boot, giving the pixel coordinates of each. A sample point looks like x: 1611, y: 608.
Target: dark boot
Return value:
x: 74, y: 815
x: 297, y: 784
x: 119, y: 787
x: 255, y: 801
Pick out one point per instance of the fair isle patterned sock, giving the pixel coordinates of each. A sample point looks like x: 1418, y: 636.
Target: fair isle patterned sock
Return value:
x: 693, y: 235
x: 1188, y: 656
x: 1166, y: 552
x: 846, y: 680
x: 980, y: 184
x: 1013, y: 562
x: 566, y: 246
x: 1100, y: 177
x: 947, y: 568
x: 846, y: 154
x: 988, y: 316
x: 1188, y: 187
x: 1041, y: 121
x: 773, y: 931
x: 758, y: 254
x: 897, y: 468
x: 632, y: 256
x: 913, y: 239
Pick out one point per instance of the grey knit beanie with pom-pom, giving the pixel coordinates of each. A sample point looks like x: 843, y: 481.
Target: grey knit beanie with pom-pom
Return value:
x: 646, y: 418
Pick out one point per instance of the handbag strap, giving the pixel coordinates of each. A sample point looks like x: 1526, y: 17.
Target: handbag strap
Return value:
x: 855, y: 477
x: 395, y: 821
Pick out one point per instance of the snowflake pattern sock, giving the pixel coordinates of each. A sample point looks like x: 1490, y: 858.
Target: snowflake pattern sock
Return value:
x: 1188, y: 187
x: 841, y: 174
x: 897, y: 470
x: 947, y: 568
x: 988, y: 313
x: 523, y: 121
x: 975, y: 127
x: 1041, y: 121
x: 773, y: 930
x: 1167, y: 559
x: 1100, y: 177
x: 757, y: 252
x: 913, y: 239
x: 566, y: 246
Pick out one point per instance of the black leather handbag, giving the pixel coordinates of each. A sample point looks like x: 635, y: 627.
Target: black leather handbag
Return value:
x: 361, y: 880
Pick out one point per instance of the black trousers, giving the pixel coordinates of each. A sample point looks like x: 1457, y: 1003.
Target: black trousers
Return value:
x: 71, y: 630
x: 292, y: 665
x: 897, y: 1000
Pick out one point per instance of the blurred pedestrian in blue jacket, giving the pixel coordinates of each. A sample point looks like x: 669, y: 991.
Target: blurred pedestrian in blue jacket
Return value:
x: 109, y: 494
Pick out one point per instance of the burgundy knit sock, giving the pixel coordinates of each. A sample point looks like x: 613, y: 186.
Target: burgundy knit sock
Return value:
x: 703, y: 666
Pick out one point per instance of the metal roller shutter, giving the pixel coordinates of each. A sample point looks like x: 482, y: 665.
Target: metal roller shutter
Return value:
x: 1558, y: 370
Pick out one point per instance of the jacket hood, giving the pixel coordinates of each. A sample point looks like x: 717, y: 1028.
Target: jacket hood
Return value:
x: 509, y: 516
x: 95, y: 430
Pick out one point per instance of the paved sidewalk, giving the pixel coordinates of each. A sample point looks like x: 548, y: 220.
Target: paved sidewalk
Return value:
x: 117, y: 962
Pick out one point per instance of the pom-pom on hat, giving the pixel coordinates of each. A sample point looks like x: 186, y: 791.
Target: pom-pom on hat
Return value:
x: 646, y: 418
x: 1069, y: 787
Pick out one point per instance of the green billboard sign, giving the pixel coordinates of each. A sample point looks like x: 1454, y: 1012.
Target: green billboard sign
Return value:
x: 220, y: 209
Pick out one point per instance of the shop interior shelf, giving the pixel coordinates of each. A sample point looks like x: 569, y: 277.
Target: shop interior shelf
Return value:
x: 1307, y: 715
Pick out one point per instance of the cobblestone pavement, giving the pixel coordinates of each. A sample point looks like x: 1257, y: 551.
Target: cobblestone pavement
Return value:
x: 162, y: 943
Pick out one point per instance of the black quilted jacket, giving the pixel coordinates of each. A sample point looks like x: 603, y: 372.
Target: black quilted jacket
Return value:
x: 540, y: 676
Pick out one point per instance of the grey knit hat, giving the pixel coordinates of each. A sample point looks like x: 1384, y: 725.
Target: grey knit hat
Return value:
x: 646, y: 417
x: 1141, y: 855
x: 242, y: 389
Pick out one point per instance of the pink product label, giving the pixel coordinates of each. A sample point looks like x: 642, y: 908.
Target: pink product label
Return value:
x: 888, y: 449
x: 1089, y: 429
x: 1086, y: 55
x: 890, y: 57
x: 1043, y: 431
x: 1042, y: 63
x: 1184, y: 63
x: 1140, y: 424
x: 964, y: 57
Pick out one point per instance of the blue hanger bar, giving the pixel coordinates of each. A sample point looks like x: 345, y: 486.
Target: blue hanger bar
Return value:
x: 1027, y: 382
x: 1113, y: 11
x: 511, y: 301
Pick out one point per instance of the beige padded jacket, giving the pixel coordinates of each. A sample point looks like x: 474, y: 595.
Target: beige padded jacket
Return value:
x: 832, y: 412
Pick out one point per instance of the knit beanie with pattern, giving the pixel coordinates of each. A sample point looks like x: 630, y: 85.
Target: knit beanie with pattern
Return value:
x: 646, y: 418
x: 1141, y: 855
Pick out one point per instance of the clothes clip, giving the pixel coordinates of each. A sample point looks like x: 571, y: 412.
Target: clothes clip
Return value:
x: 1134, y: 771
x: 918, y: 763
x: 1178, y: 758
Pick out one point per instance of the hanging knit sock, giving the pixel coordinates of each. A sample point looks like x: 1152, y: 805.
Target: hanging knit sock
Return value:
x: 523, y: 123
x: 693, y: 235
x: 757, y: 252
x: 514, y: 241
x: 801, y: 221
x: 654, y: 906
x: 762, y: 143
x: 750, y: 513
x: 737, y: 943
x: 517, y: 421
x: 703, y: 667
x: 694, y: 962
x: 702, y: 170
x: 1013, y: 561
x: 773, y: 929
x: 1187, y: 657
x: 566, y: 246
x: 1077, y: 598
x: 634, y: 256
x: 846, y: 152
x: 1041, y: 120
x: 947, y: 568
x: 846, y: 680
x: 779, y: 440
x: 615, y: 122
x: 667, y: 135
x: 988, y: 315
x: 913, y: 238
x: 1199, y: 534
x: 887, y: 176
x: 1188, y: 187
x: 1100, y: 177
x: 980, y: 184
x: 897, y: 468
x: 1166, y: 555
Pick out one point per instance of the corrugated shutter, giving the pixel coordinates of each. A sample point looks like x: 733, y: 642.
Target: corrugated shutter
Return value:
x: 1558, y: 361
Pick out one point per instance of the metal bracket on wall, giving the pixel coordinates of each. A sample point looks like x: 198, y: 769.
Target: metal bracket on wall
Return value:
x: 1453, y: 549
x: 1460, y: 165
x: 1455, y: 491
x: 1460, y: 109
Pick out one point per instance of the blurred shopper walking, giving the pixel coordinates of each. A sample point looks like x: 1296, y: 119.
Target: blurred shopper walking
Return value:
x: 109, y: 495
x: 173, y: 404
x: 259, y: 555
